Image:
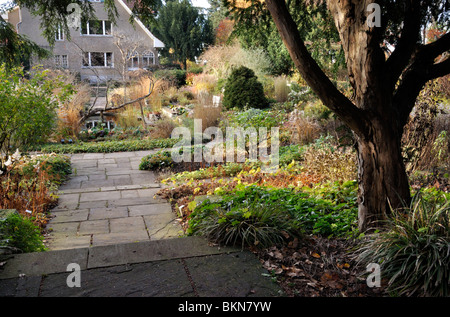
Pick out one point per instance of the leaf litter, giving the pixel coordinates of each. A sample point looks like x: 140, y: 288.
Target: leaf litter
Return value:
x: 317, y: 267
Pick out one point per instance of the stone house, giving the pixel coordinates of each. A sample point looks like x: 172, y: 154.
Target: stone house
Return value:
x: 98, y: 49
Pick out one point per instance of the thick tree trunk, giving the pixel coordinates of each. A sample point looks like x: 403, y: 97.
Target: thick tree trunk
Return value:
x: 372, y: 115
x: 382, y: 179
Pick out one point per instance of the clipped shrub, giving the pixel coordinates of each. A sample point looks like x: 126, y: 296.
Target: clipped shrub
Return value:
x: 243, y: 89
x: 413, y: 252
x: 157, y: 161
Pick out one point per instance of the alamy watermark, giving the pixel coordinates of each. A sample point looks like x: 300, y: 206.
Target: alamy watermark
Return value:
x: 231, y: 148
x: 374, y: 18
x: 74, y: 278
x: 374, y: 278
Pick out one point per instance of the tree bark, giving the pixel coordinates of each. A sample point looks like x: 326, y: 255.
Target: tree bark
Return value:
x: 382, y: 179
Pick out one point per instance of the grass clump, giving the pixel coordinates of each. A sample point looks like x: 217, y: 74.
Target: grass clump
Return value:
x: 414, y: 251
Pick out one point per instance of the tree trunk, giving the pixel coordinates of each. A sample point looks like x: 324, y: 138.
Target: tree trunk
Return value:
x: 382, y: 179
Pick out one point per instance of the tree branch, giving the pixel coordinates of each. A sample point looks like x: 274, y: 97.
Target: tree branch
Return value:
x: 92, y: 112
x: 433, y: 50
x: 418, y: 74
x: 310, y: 70
x: 401, y: 56
x: 440, y: 69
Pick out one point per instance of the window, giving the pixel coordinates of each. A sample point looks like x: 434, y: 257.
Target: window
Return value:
x: 61, y: 61
x: 148, y: 59
x: 96, y: 27
x: 133, y: 61
x: 98, y: 59
x: 59, y: 35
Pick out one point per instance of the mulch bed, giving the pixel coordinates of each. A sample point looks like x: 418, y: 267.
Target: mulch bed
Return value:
x: 317, y: 267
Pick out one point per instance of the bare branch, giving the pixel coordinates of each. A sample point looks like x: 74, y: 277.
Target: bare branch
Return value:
x: 310, y: 70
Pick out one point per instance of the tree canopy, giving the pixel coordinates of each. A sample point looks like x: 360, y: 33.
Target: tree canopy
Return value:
x: 183, y: 29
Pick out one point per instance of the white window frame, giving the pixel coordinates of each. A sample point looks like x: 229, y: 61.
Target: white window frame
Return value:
x: 105, y: 57
x: 103, y: 28
x: 61, y: 61
x: 132, y: 65
x: 148, y: 57
x: 59, y: 35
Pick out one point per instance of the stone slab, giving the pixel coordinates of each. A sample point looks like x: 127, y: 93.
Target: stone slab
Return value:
x: 108, y: 213
x: 128, y: 224
x: 119, y: 237
x: 231, y: 275
x: 95, y: 196
x: 64, y: 242
x: 155, y: 279
x: 70, y: 216
x: 150, y: 209
x: 39, y: 263
x: 94, y: 226
x: 156, y: 250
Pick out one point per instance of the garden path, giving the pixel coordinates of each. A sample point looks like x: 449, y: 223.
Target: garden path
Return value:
x: 108, y: 200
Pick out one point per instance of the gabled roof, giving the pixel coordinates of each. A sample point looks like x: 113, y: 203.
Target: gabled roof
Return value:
x: 156, y: 41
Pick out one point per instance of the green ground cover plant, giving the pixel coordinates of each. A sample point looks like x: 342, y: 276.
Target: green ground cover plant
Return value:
x: 324, y: 211
x: 19, y: 234
x: 106, y: 146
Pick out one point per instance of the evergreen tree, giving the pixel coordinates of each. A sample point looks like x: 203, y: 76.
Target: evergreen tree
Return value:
x: 183, y: 29
x: 244, y: 90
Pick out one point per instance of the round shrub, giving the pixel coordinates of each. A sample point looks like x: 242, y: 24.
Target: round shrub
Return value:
x: 243, y: 89
x: 157, y: 161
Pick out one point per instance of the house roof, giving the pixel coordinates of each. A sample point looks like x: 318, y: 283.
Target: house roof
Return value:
x: 127, y: 6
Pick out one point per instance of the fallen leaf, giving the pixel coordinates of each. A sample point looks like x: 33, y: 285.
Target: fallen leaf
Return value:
x: 317, y: 256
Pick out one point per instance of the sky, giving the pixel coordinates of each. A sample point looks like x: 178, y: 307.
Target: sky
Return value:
x: 200, y: 3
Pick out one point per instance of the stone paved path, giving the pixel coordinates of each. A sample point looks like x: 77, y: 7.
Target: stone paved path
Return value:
x: 108, y: 200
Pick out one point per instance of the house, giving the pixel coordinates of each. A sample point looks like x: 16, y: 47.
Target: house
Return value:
x: 98, y: 50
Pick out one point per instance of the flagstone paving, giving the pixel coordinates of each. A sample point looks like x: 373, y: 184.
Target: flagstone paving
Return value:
x: 108, y: 200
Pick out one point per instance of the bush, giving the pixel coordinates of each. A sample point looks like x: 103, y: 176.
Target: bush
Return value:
x: 175, y: 76
x: 413, y: 252
x: 330, y: 162
x: 20, y: 234
x: 243, y: 89
x: 157, y: 161
x: 28, y: 106
x: 162, y: 129
x: 28, y: 183
x: 56, y: 166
